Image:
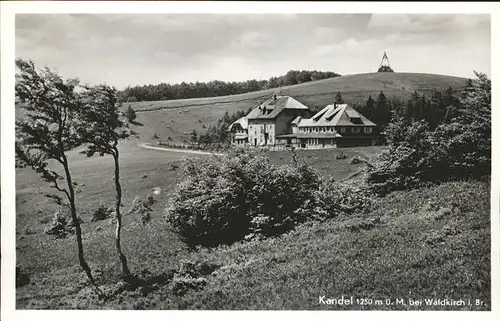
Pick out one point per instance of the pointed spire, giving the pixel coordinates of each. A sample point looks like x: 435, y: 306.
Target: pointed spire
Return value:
x: 385, y: 66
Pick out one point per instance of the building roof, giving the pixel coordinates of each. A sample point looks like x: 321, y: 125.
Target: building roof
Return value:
x: 273, y: 107
x: 337, y: 115
x: 243, y: 122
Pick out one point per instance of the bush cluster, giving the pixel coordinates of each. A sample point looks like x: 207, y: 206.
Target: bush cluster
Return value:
x: 452, y: 151
x: 60, y: 226
x: 457, y: 148
x: 142, y: 207
x: 191, y: 276
x: 102, y: 212
x: 245, y: 196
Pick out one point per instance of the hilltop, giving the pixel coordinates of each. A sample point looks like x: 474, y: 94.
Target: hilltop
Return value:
x: 175, y: 118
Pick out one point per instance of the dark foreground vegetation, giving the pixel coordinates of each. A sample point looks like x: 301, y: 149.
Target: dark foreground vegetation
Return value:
x: 411, y: 244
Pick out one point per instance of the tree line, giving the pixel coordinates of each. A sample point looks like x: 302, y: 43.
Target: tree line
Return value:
x: 166, y: 91
x: 434, y: 107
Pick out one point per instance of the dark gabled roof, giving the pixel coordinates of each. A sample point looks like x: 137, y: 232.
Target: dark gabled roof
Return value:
x: 276, y: 106
x: 336, y: 115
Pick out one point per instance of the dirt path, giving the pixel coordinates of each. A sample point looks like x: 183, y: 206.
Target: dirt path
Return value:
x: 148, y: 146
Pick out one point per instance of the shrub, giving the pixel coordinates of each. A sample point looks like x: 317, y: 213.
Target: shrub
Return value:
x: 334, y: 199
x: 60, y: 226
x: 451, y: 151
x: 102, y: 212
x: 181, y: 284
x: 457, y: 148
x: 130, y: 114
x: 190, y: 276
x: 222, y: 201
x: 142, y: 206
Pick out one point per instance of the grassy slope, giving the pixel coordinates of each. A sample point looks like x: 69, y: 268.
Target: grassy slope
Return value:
x: 409, y: 252
x: 177, y: 117
x: 332, y: 258
x: 37, y: 252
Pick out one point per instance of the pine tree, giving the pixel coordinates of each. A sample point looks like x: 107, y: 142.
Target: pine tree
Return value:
x: 130, y: 114
x: 338, y: 98
x: 370, y: 108
x: 382, y: 111
x: 194, y: 136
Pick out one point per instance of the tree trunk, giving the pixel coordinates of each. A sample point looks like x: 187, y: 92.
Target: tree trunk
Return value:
x: 78, y: 230
x: 118, y: 216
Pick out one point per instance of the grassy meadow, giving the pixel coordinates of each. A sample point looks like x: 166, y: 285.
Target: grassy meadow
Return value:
x: 176, y: 118
x: 426, y: 243
x: 408, y: 246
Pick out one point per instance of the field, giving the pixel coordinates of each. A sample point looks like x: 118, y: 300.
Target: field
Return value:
x: 427, y: 243
x: 176, y: 118
x: 404, y: 248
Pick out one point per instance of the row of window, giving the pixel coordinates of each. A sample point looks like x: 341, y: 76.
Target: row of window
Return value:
x: 239, y: 141
x: 343, y: 130
x: 317, y: 130
x: 316, y: 141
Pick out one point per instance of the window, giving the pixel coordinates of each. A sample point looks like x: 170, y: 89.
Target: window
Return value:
x: 355, y: 130
x: 342, y: 130
x: 368, y: 130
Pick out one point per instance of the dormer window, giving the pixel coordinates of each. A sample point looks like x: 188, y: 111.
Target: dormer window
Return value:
x: 356, y: 120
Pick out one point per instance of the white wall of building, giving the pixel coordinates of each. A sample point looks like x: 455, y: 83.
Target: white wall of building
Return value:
x: 257, y: 130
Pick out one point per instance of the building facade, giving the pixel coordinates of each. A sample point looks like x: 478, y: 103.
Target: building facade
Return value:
x: 282, y: 122
x: 267, y: 120
x: 239, y: 132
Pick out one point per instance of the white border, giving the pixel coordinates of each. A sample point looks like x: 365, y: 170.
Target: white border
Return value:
x: 8, y: 11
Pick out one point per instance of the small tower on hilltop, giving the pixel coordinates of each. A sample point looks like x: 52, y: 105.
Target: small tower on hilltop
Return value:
x: 385, y: 66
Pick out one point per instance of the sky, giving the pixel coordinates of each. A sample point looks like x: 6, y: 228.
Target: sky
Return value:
x: 139, y: 49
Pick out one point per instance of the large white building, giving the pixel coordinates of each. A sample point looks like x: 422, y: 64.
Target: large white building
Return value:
x: 268, y: 120
x: 283, y: 121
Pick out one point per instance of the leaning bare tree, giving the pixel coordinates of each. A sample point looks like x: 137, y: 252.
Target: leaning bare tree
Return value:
x: 103, y: 131
x: 49, y: 128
